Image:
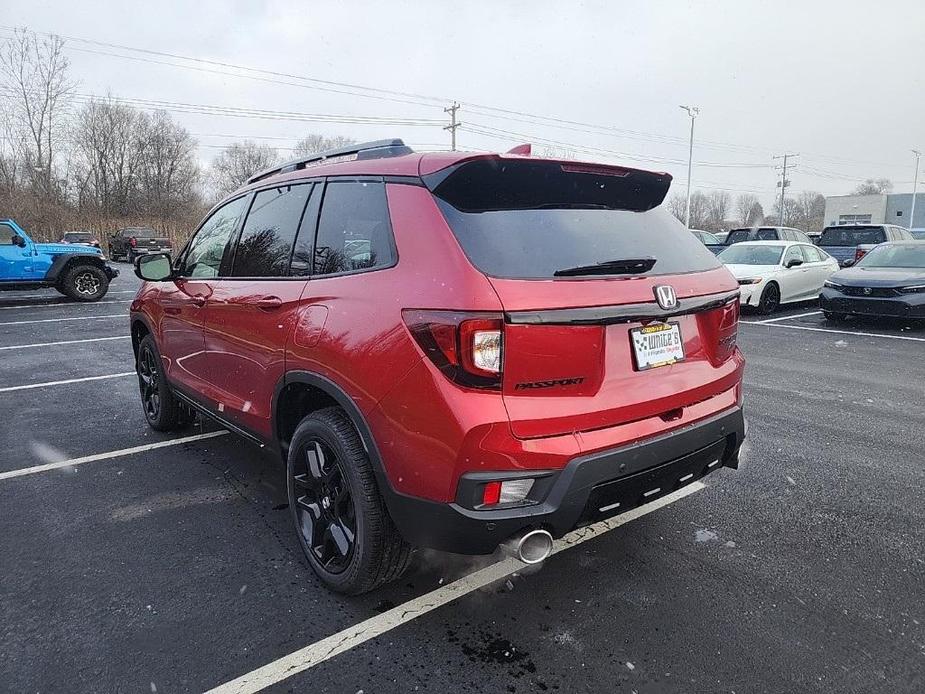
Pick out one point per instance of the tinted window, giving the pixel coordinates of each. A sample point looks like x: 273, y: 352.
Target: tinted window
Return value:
x: 269, y: 232
x: 767, y: 235
x: 302, y: 254
x: 354, y: 231
x: 851, y: 236
x: 204, y: 255
x: 76, y: 236
x: 738, y: 235
x: 751, y: 255
x: 530, y: 243
x: 141, y: 233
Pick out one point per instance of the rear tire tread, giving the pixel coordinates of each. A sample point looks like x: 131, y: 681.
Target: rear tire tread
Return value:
x: 386, y: 553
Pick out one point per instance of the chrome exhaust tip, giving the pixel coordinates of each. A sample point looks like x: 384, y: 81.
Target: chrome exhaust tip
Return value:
x: 531, y: 547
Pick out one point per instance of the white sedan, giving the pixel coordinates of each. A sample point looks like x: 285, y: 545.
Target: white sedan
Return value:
x: 771, y: 273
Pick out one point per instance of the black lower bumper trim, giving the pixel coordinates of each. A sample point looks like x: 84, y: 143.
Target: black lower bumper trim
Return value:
x: 588, y: 489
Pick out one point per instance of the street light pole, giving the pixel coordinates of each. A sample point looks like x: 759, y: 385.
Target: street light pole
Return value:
x: 692, y: 111
x: 915, y: 185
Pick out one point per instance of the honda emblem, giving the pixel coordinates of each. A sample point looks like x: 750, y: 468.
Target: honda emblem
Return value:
x: 666, y: 297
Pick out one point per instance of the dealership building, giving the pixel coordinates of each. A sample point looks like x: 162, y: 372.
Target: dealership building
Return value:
x: 893, y: 208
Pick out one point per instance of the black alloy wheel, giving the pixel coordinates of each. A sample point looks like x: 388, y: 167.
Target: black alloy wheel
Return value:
x: 148, y: 383
x: 324, y: 506
x: 162, y: 411
x: 339, y: 515
x: 770, y: 299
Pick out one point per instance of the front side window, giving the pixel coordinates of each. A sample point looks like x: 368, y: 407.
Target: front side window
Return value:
x: 812, y: 254
x: 269, y: 232
x: 6, y: 235
x: 354, y: 232
x: 204, y: 255
x: 793, y: 253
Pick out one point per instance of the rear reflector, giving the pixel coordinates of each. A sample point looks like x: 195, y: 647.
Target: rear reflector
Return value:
x: 492, y: 493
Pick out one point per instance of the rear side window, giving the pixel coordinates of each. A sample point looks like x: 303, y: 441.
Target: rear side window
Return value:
x: 537, y: 243
x: 769, y: 235
x: 738, y: 235
x: 269, y: 232
x: 354, y: 232
x: 851, y: 236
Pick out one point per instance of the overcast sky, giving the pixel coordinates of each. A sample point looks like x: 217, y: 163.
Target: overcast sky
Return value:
x: 840, y: 82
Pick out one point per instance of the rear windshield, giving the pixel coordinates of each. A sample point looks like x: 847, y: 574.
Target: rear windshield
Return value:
x: 536, y: 243
x: 851, y: 236
x: 763, y: 234
x: 918, y: 234
x: 910, y: 256
x: 751, y: 255
x: 76, y: 236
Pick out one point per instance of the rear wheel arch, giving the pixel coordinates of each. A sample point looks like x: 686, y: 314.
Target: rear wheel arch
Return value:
x: 140, y: 329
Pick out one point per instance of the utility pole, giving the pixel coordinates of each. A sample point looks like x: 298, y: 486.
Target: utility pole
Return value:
x: 915, y: 185
x: 693, y: 112
x: 453, y: 123
x: 783, y: 183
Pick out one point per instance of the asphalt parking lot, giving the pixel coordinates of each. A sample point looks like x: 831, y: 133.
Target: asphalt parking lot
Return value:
x: 140, y: 562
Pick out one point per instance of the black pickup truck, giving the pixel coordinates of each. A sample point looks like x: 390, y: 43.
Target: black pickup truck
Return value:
x: 131, y: 242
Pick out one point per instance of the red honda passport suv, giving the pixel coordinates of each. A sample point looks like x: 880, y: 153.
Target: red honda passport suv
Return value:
x: 448, y: 350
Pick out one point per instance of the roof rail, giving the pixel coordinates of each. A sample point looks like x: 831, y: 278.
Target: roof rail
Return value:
x: 378, y: 149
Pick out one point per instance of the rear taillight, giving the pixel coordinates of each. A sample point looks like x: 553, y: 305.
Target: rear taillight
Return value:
x: 859, y: 253
x: 719, y: 329
x: 466, y: 347
x: 133, y: 242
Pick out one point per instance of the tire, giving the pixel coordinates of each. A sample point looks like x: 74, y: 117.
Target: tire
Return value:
x: 334, y: 501
x: 770, y: 299
x: 85, y: 283
x: 162, y: 410
x: 834, y: 317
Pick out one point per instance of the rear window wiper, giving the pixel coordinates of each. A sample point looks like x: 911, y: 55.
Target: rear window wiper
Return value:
x: 625, y: 266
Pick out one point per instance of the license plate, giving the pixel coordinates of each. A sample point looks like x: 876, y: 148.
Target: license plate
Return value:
x: 658, y: 344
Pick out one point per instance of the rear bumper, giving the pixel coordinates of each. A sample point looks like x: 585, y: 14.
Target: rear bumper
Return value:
x: 908, y: 306
x: 588, y: 489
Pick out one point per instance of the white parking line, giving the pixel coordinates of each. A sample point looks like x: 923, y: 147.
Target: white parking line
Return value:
x: 349, y: 638
x: 56, y: 320
x: 840, y: 332
x: 65, y: 303
x: 14, y: 297
x: 774, y: 320
x: 66, y: 342
x: 46, y: 384
x: 106, y: 456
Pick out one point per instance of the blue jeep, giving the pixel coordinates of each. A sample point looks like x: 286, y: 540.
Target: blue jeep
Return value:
x: 79, y: 272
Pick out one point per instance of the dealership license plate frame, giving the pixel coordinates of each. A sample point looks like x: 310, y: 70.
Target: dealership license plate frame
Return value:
x: 641, y: 360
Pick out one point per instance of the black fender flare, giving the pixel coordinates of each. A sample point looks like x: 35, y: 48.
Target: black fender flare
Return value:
x: 336, y: 393
x: 61, y: 262
x: 143, y: 319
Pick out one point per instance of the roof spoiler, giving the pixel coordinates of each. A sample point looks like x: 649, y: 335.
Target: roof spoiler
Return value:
x: 378, y: 149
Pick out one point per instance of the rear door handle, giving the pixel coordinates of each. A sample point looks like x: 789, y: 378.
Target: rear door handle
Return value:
x: 269, y: 303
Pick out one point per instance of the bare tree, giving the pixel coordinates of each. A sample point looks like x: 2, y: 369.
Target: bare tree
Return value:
x: 745, y: 203
x: 808, y: 211
x: 676, y: 205
x: 168, y: 171
x: 718, y: 204
x: 700, y: 210
x: 874, y: 186
x: 109, y: 158
x: 232, y: 167
x: 313, y: 143
x: 34, y: 72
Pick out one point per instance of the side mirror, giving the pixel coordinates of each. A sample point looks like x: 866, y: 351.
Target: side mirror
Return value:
x: 19, y: 241
x: 794, y: 262
x: 847, y: 263
x: 155, y: 267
